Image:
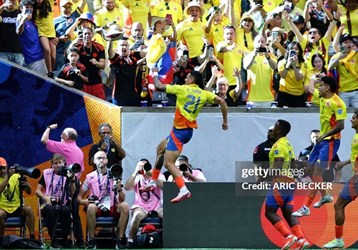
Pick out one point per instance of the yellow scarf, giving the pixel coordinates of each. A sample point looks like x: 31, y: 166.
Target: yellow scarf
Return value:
x: 348, y: 65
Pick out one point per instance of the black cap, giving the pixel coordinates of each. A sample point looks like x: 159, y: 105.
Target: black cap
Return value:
x: 346, y: 37
x: 183, y: 158
x: 298, y: 19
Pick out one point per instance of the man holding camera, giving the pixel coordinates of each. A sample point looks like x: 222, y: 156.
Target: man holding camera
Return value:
x: 11, y: 185
x: 145, y: 202
x: 115, y: 152
x: 189, y: 173
x: 55, y: 189
x: 72, y: 154
x: 106, y: 198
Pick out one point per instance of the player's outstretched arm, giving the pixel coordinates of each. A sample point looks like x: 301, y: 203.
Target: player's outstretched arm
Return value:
x: 157, y: 83
x: 223, y: 106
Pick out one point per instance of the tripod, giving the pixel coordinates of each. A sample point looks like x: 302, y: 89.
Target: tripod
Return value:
x: 57, y: 211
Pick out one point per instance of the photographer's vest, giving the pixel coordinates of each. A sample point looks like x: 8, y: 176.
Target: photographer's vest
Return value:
x: 147, y: 200
x: 100, y: 185
x: 54, y: 184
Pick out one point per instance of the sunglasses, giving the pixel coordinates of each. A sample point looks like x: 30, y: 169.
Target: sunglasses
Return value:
x: 313, y: 32
x: 105, y: 133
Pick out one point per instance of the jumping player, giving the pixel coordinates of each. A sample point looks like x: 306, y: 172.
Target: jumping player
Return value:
x: 190, y: 99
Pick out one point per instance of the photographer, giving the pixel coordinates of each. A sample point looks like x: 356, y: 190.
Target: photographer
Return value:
x: 106, y: 199
x: 189, y: 173
x: 73, y: 154
x: 115, y: 152
x: 10, y: 204
x: 145, y: 202
x: 51, y: 189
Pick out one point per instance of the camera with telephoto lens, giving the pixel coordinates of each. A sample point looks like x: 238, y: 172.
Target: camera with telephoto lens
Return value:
x: 184, y: 167
x: 146, y: 167
x: 73, y: 169
x: 31, y: 172
x: 115, y: 172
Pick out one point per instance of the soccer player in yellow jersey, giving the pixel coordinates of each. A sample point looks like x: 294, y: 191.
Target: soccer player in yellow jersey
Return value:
x: 281, y: 157
x: 332, y: 116
x: 10, y: 198
x: 190, y: 99
x: 349, y: 191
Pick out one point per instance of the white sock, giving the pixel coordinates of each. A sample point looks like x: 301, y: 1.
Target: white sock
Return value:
x: 184, y: 189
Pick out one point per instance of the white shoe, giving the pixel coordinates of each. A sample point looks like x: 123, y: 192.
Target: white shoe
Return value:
x: 183, y: 195
x: 303, y: 211
x: 289, y: 241
x: 325, y: 199
x: 336, y: 243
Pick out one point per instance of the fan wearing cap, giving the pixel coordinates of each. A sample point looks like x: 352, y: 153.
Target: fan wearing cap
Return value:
x: 246, y: 33
x: 74, y: 32
x: 260, y: 65
x: 314, y: 43
x: 300, y: 23
x: 345, y: 62
x: 62, y: 24
x: 189, y: 173
x: 10, y: 188
x: 191, y: 29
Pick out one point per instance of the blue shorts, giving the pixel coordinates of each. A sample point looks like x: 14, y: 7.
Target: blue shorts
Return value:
x: 350, y: 190
x: 280, y: 198
x: 177, y: 138
x: 323, y: 152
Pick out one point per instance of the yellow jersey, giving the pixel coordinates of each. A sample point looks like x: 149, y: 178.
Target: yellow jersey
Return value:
x: 190, y: 100
x: 331, y: 110
x: 190, y: 34
x: 282, y: 149
x: 10, y: 197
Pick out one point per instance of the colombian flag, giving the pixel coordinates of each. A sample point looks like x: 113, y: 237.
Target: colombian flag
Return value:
x: 161, y: 56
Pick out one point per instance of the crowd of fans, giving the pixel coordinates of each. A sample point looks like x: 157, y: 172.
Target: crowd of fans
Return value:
x: 275, y: 47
